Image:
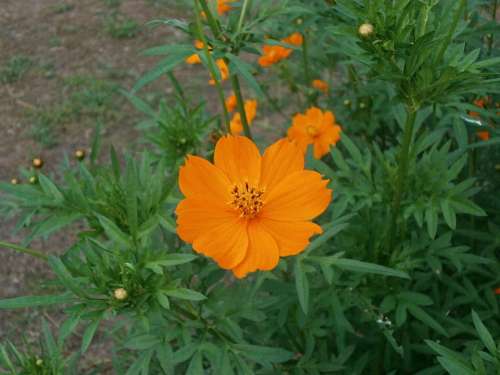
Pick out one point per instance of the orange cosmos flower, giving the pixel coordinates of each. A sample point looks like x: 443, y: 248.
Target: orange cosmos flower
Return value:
x: 478, y: 103
x: 223, y: 6
x: 273, y: 54
x: 320, y: 85
x: 231, y: 103
x: 483, y: 135
x: 246, y: 211
x: 195, y: 58
x: 250, y: 110
x: 295, y: 39
x: 315, y: 127
x: 223, y: 69
x: 497, y: 291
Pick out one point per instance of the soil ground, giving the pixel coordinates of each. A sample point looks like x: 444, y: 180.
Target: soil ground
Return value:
x: 56, y: 58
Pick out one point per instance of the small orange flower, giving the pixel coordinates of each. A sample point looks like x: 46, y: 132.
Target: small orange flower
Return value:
x: 273, y: 54
x: 478, y: 103
x: 223, y: 69
x: 483, y: 135
x: 295, y: 39
x: 250, y: 110
x: 320, y: 85
x: 231, y: 103
x: 317, y: 128
x: 497, y: 291
x: 195, y: 58
x: 246, y: 211
x: 223, y: 6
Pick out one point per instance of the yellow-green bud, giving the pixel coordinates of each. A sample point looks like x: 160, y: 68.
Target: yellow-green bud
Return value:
x: 120, y: 294
x: 80, y: 154
x: 14, y: 181
x: 33, y: 180
x: 37, y: 163
x: 366, y: 29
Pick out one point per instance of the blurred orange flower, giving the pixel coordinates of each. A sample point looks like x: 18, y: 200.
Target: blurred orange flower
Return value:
x: 223, y: 6
x: 320, y: 85
x: 497, y: 291
x: 195, y: 58
x: 483, y: 135
x: 231, y: 103
x: 295, y: 39
x: 246, y: 211
x: 273, y: 54
x: 250, y: 110
x: 223, y: 69
x: 317, y: 128
x: 481, y: 102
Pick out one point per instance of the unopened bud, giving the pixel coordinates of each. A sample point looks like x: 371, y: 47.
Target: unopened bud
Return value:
x: 33, y: 180
x: 366, y: 29
x: 14, y: 181
x: 37, y: 163
x: 120, y: 294
x: 80, y: 154
x: 347, y: 102
x: 39, y: 362
x: 362, y: 105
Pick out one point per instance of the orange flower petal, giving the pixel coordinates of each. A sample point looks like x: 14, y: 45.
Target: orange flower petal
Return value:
x: 279, y: 160
x: 239, y: 158
x: 262, y: 253
x: 196, y: 216
x: 292, y: 237
x: 200, y: 178
x: 227, y: 244
x: 300, y: 196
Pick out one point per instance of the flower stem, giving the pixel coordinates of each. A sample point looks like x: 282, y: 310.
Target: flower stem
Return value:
x: 214, y: 26
x: 305, y: 59
x: 210, y: 61
x: 411, y: 115
x: 241, y: 106
x: 242, y: 15
x: 24, y: 250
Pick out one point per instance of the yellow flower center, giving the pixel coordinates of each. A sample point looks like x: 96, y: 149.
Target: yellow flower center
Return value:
x: 247, y: 199
x: 312, y: 130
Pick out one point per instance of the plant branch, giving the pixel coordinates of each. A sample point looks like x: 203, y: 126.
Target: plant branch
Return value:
x: 24, y: 250
x: 241, y: 106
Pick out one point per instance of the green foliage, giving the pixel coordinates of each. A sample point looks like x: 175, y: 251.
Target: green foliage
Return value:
x: 15, y: 69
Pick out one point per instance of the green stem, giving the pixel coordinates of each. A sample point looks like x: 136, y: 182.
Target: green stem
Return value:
x: 241, y: 106
x: 211, y: 64
x: 449, y: 37
x: 411, y: 115
x: 23, y: 250
x: 214, y: 25
x: 494, y: 18
x: 305, y: 59
x: 242, y: 15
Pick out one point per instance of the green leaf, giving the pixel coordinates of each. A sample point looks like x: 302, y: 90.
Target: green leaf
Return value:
x: 184, y: 293
x: 416, y: 298
x: 448, y: 214
x: 113, y: 232
x: 131, y: 197
x: 323, y: 238
x: 163, y: 67
x: 363, y: 267
x: 163, y: 300
x: 425, y: 318
x: 302, y: 286
x: 88, y: 335
x: 454, y: 367
x: 64, y: 276
x: 431, y: 218
x: 34, y: 301
x: 195, y: 365
x: 484, y: 334
x: 67, y: 328
x: 142, y: 342
x: 170, y: 260
x: 50, y: 188
x: 263, y: 354
x: 239, y: 66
